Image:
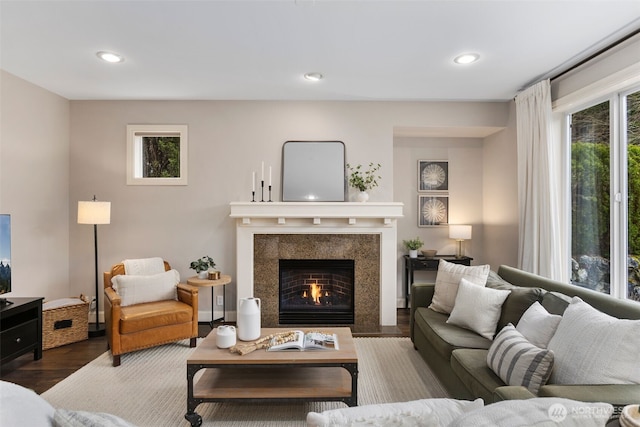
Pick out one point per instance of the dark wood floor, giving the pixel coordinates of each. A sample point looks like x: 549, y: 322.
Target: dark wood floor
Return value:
x: 58, y: 363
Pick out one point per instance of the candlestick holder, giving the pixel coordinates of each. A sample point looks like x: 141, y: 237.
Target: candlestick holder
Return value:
x: 262, y: 190
x: 253, y: 196
x: 269, y: 192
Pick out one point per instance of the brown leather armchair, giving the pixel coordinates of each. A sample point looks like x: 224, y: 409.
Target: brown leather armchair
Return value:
x: 139, y: 326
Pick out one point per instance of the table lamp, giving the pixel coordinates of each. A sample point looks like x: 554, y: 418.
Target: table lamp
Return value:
x: 95, y: 212
x: 460, y: 233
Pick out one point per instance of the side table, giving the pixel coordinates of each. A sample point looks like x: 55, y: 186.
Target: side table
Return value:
x: 426, y: 264
x: 222, y: 281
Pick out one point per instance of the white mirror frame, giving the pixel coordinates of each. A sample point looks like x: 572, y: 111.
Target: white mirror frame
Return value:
x: 134, y: 153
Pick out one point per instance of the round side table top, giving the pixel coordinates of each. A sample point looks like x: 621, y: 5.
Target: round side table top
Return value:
x: 223, y: 280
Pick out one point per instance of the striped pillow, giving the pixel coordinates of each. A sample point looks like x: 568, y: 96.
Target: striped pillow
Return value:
x: 518, y: 362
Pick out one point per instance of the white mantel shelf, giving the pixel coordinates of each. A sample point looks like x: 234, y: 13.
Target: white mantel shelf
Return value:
x: 386, y: 212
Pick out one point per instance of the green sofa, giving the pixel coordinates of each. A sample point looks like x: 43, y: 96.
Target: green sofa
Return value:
x: 458, y: 356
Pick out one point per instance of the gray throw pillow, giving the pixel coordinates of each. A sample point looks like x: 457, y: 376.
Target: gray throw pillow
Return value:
x: 518, y: 362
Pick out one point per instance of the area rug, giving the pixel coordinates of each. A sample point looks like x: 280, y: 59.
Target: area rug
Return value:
x: 150, y: 387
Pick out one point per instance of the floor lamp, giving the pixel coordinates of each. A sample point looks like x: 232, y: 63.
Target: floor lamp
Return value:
x: 95, y: 212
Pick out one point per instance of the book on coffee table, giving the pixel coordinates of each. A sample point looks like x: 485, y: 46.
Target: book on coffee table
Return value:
x: 299, y: 340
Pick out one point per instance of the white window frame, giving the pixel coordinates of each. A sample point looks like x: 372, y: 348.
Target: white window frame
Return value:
x: 134, y: 153
x: 618, y: 170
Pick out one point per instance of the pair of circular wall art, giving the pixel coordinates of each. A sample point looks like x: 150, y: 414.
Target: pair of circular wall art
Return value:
x: 433, y: 179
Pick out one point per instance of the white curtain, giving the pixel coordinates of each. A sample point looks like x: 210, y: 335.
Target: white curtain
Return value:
x: 539, y: 186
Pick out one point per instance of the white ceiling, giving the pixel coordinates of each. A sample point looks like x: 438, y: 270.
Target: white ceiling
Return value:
x: 259, y: 50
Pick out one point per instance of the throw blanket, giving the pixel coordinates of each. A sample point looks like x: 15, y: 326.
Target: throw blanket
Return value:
x: 143, y: 266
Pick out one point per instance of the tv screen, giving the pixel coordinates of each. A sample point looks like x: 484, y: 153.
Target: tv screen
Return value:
x: 5, y: 253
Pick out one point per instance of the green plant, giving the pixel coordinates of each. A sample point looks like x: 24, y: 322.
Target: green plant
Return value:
x: 202, y: 264
x: 413, y: 244
x: 364, y: 180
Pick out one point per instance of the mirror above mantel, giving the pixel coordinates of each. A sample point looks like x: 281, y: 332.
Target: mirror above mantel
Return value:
x: 313, y: 171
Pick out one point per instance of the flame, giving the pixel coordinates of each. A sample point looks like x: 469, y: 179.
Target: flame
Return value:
x: 315, y: 293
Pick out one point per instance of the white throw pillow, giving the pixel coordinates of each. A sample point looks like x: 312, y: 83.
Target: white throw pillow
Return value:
x: 539, y: 411
x: 591, y: 347
x: 139, y: 289
x: 538, y: 325
x: 418, y: 413
x: 518, y: 362
x: 448, y: 279
x: 478, y: 308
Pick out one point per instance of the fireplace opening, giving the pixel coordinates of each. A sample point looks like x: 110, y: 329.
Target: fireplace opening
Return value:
x: 314, y: 291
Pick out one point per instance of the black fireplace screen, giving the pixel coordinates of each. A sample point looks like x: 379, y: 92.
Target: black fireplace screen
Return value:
x: 316, y: 291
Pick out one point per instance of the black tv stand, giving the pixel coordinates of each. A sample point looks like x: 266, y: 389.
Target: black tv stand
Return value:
x: 21, y: 329
x: 4, y: 301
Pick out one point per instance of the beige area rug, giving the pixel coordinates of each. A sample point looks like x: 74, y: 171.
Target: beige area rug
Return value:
x: 150, y: 387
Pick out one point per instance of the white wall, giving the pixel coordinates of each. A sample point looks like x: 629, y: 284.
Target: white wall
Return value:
x: 56, y: 152
x: 500, y: 196
x: 227, y: 141
x: 465, y: 195
x: 34, y: 187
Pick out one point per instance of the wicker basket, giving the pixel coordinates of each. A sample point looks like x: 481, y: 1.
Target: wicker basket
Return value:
x: 65, y: 325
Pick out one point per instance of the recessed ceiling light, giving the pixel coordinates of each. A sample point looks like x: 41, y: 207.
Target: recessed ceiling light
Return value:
x: 314, y: 77
x: 110, y: 57
x: 466, y: 58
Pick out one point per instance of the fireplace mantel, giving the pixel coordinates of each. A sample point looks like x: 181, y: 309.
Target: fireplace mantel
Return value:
x: 320, y: 218
x: 316, y: 211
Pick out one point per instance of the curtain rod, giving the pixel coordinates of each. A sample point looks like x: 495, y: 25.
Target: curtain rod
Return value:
x: 596, y: 54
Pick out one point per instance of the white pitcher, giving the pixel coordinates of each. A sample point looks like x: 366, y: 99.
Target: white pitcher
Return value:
x: 248, y: 321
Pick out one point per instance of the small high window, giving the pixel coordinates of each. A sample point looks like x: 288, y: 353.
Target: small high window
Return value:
x: 156, y: 155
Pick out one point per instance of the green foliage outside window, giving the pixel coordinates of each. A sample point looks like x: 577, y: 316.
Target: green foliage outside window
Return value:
x: 161, y: 156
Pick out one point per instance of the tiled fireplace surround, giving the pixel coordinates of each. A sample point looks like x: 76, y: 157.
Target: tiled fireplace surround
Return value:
x: 364, y: 232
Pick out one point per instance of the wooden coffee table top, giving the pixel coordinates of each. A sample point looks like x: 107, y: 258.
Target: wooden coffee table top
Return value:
x: 208, y: 353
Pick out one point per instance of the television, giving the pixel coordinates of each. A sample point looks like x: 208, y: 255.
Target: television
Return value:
x: 5, y: 256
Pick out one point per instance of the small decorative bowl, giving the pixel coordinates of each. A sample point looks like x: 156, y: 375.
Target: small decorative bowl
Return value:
x: 429, y: 253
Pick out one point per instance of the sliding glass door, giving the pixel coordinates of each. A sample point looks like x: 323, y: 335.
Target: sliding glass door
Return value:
x: 605, y: 195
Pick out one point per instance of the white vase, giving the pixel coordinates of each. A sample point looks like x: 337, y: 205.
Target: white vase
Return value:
x: 203, y: 274
x: 413, y: 253
x: 248, y: 321
x: 362, y: 196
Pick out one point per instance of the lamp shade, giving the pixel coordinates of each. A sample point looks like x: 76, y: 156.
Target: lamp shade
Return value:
x: 94, y: 212
x: 460, y: 232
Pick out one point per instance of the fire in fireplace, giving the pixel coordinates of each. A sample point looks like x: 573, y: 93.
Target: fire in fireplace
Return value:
x: 315, y: 291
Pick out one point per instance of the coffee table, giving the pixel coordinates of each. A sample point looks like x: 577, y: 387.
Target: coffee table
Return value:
x: 312, y: 375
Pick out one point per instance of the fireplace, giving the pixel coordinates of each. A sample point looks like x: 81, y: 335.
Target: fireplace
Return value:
x: 363, y: 232
x: 316, y: 291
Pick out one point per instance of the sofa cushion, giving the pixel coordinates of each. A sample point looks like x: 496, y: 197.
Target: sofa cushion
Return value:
x: 477, y: 308
x: 20, y: 406
x: 140, y: 289
x: 448, y: 279
x: 537, y: 325
x: 445, y: 337
x: 555, y: 302
x: 537, y: 412
x: 418, y: 413
x: 592, y: 347
x: 141, y: 317
x: 518, y: 301
x: 470, y: 365
x: 518, y: 362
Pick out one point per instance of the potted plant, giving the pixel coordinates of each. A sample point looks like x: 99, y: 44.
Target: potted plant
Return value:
x: 413, y: 245
x: 202, y: 266
x: 363, y: 180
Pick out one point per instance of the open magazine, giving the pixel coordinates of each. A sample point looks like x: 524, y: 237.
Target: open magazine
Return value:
x: 299, y: 340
